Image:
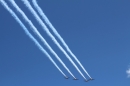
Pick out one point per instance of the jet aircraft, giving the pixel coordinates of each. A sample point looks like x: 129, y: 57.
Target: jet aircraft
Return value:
x: 87, y: 80
x: 67, y: 77
x: 75, y: 79
x: 91, y: 79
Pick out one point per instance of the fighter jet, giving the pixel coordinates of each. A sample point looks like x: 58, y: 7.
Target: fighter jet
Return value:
x: 75, y: 79
x: 91, y: 79
x: 67, y: 77
x: 87, y: 80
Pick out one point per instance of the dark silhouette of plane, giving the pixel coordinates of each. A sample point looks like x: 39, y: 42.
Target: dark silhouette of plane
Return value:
x: 91, y: 79
x: 87, y: 80
x: 67, y: 77
x: 75, y: 79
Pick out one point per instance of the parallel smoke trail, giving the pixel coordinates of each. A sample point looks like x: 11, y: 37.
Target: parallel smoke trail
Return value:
x: 34, y: 29
x: 27, y: 3
x: 28, y: 33
x: 57, y: 34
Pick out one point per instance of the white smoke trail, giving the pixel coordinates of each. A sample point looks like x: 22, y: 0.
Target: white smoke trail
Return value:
x: 39, y: 35
x: 28, y: 33
x: 27, y: 3
x: 57, y: 34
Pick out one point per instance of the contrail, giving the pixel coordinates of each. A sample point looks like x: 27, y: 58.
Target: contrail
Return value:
x: 28, y: 33
x: 37, y: 7
x: 39, y: 35
x: 27, y: 3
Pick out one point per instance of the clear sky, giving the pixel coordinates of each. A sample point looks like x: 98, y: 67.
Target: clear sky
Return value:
x: 97, y: 31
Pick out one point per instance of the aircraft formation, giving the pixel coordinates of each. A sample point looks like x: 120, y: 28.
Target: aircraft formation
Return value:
x: 39, y: 12
x: 78, y: 79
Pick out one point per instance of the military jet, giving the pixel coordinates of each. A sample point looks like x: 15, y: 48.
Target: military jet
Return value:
x: 91, y: 79
x: 75, y: 79
x: 87, y: 80
x: 67, y: 77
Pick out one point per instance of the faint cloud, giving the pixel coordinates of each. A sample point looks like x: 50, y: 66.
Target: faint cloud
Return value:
x: 128, y: 73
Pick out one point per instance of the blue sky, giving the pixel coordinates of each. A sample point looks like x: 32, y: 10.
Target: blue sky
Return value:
x: 97, y: 31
